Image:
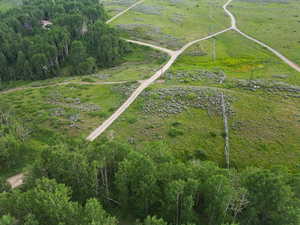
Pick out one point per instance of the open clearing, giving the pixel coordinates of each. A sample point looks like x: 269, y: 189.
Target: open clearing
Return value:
x: 275, y: 22
x: 184, y: 112
x: 68, y: 109
x: 173, y: 23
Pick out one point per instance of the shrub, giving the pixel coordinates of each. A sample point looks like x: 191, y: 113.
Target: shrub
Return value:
x: 176, y: 124
x: 174, y: 132
x: 132, y: 120
x: 201, y: 154
x: 212, y: 134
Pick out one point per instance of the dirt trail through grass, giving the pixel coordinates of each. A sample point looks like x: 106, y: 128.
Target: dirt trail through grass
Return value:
x: 60, y: 84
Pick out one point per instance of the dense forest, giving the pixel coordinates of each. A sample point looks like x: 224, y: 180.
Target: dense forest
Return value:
x: 43, y: 38
x: 108, y: 183
x: 86, y: 184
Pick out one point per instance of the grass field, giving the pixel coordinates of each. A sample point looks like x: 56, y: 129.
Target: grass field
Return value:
x: 173, y: 23
x: 239, y: 58
x: 70, y: 109
x: 113, y: 7
x: 184, y: 112
x: 52, y: 115
x: 7, y: 4
x: 275, y: 22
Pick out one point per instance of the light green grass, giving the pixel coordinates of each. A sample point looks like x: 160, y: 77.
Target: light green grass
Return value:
x: 36, y: 107
x: 277, y: 24
x: 263, y: 127
x: 173, y: 23
x: 8, y: 4
x: 239, y: 58
x: 137, y: 127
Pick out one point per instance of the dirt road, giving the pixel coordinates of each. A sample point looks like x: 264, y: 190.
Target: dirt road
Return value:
x: 61, y: 84
x: 168, y: 51
x: 126, y: 10
x: 144, y: 85
x: 278, y: 54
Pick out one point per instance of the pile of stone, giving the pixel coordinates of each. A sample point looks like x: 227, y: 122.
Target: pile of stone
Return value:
x: 270, y: 86
x: 196, y: 75
x: 57, y: 112
x: 177, y: 18
x: 168, y: 101
x: 124, y: 3
x: 56, y: 98
x: 149, y: 9
x: 147, y: 31
x: 125, y: 89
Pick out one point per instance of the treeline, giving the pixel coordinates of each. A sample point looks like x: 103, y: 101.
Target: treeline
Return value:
x: 77, y: 42
x: 80, y: 183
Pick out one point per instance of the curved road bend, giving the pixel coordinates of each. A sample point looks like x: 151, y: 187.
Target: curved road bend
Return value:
x: 144, y: 85
x: 278, y: 54
x: 168, y: 51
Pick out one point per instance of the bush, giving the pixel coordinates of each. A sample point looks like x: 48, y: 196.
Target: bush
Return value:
x: 174, y: 132
x: 176, y: 124
x: 201, y: 154
x: 132, y: 120
x: 4, y: 186
x: 87, y: 79
x: 212, y: 134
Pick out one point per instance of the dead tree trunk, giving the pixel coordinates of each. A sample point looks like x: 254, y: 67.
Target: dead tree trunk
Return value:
x: 226, y: 130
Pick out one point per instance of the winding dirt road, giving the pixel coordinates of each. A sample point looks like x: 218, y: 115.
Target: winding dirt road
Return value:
x: 278, y: 54
x: 61, y: 84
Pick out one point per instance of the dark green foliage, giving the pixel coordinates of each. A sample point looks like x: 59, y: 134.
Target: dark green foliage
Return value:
x: 4, y: 186
x: 13, y: 133
x: 153, y: 221
x: 49, y: 203
x: 174, y: 132
x: 78, y: 38
x: 270, y: 198
x: 7, y: 220
x: 147, y: 181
